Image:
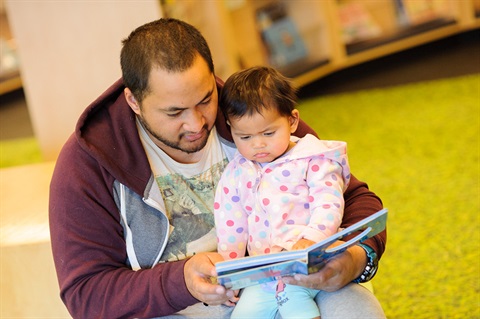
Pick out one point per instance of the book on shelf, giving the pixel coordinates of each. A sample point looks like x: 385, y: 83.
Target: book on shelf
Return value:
x: 415, y: 12
x: 283, y: 42
x: 357, y: 24
x: 248, y: 271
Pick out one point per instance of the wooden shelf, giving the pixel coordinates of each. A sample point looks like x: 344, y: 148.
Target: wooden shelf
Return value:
x: 321, y: 25
x: 10, y: 82
x: 403, y: 33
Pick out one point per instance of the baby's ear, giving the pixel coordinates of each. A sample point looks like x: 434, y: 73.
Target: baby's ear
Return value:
x: 294, y: 120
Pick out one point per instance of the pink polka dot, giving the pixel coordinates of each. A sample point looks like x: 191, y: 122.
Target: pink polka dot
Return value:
x: 265, y: 201
x: 248, y: 208
x: 233, y: 255
x: 284, y: 216
x: 283, y: 188
x: 326, y: 206
x: 310, y: 199
x: 267, y: 251
x: 268, y: 170
x: 230, y: 223
x: 257, y: 219
x: 328, y: 183
x: 225, y: 190
x: 315, y: 168
x: 249, y: 185
x: 216, y: 205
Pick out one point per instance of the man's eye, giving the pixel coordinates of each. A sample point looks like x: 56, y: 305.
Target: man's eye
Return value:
x: 176, y: 114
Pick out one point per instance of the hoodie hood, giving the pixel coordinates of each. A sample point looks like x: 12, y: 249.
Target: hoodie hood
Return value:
x: 107, y: 131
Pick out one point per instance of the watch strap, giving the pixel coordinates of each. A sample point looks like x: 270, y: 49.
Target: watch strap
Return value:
x: 371, y: 267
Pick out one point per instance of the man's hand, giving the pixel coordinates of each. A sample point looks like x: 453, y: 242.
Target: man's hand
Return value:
x: 336, y: 274
x: 302, y: 244
x: 198, y: 272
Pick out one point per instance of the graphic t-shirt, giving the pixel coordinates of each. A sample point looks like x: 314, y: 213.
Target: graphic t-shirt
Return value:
x: 187, y: 192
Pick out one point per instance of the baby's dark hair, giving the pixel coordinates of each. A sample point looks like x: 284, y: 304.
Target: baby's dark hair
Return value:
x: 254, y: 89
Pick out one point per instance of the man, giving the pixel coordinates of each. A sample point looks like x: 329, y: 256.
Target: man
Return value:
x: 131, y: 199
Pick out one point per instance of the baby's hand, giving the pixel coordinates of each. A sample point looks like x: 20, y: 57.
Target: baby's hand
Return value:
x: 232, y: 301
x: 302, y: 244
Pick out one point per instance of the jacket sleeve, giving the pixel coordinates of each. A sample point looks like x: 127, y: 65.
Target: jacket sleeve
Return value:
x: 231, y: 220
x: 89, y: 249
x: 326, y: 184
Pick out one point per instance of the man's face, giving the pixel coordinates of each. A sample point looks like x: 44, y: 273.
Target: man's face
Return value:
x: 180, y: 110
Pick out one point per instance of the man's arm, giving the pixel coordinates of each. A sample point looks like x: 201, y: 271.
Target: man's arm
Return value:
x: 360, y: 203
x: 90, y: 253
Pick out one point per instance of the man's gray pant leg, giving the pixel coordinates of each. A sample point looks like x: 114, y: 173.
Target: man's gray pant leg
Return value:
x: 352, y: 301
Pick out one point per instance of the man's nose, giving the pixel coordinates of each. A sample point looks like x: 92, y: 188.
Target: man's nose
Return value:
x: 194, y: 122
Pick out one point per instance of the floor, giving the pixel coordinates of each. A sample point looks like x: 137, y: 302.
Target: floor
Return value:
x: 454, y: 56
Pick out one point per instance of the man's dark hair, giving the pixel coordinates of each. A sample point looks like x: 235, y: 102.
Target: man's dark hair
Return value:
x: 168, y: 44
x: 252, y: 90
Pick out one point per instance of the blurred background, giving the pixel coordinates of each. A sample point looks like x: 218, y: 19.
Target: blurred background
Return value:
x: 61, y: 55
x: 397, y: 76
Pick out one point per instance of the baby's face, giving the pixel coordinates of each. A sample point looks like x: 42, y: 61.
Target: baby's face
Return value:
x: 263, y: 137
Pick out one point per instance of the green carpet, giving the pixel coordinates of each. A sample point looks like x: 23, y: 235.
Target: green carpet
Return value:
x: 19, y: 152
x: 418, y: 148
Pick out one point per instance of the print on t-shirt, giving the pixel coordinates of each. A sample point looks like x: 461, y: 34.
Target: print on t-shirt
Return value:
x: 189, y: 204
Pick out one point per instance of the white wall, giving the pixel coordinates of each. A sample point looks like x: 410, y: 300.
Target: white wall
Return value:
x: 69, y: 54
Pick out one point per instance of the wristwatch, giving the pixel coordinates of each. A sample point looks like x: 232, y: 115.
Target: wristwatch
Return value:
x: 372, y: 265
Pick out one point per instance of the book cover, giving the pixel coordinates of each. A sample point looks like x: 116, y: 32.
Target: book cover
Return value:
x: 248, y: 271
x: 283, y: 42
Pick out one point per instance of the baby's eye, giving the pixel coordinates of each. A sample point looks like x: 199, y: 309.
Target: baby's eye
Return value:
x: 244, y: 138
x: 207, y: 101
x: 268, y: 133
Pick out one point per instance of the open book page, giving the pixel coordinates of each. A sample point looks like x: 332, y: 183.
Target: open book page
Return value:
x: 244, y: 272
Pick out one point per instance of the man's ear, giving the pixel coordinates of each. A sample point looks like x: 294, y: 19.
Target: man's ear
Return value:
x: 294, y: 120
x: 132, y: 101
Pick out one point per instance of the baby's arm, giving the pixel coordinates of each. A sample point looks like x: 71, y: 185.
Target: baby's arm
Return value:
x: 326, y: 182
x: 230, y: 228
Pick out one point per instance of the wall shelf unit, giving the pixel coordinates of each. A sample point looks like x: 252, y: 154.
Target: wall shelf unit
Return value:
x: 308, y: 39
x: 9, y: 70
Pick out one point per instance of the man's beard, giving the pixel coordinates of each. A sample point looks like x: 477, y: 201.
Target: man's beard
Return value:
x: 173, y: 144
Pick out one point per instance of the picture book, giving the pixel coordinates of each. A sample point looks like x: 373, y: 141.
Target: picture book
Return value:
x: 248, y: 271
